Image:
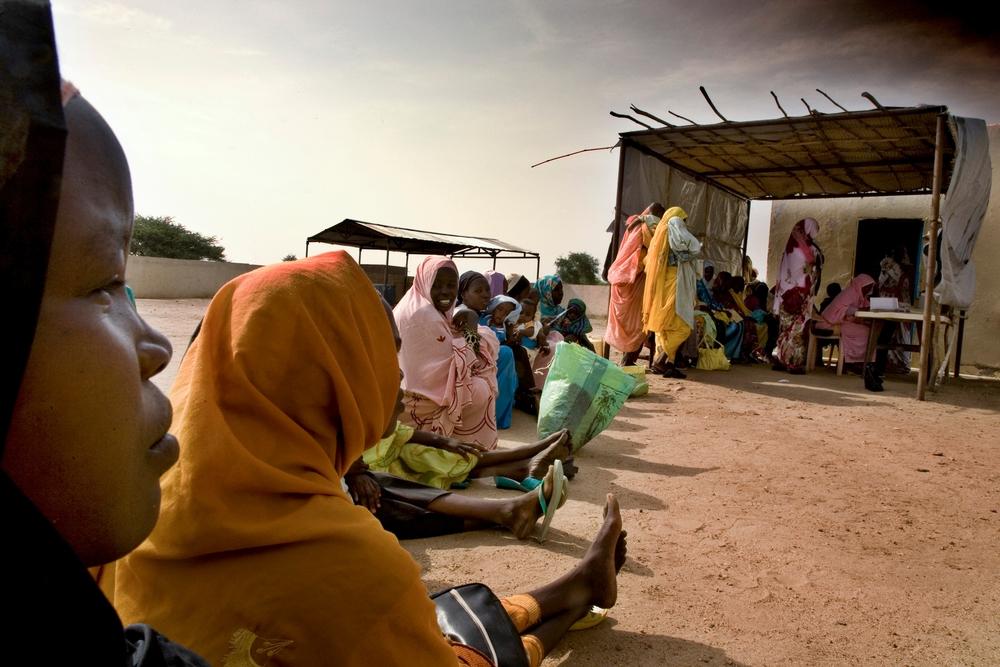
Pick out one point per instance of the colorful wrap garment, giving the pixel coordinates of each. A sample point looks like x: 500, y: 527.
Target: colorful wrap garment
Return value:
x: 579, y: 327
x: 627, y: 277
x: 449, y: 388
x: 506, y: 369
x: 290, y: 378
x: 546, y: 306
x: 668, y: 300
x: 798, y: 281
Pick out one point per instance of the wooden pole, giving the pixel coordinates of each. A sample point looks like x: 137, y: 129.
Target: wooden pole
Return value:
x: 385, y: 276
x: 746, y: 239
x: 926, y: 339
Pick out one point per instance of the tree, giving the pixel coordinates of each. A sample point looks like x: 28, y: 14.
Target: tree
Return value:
x: 578, y: 268
x: 162, y: 237
x: 289, y: 258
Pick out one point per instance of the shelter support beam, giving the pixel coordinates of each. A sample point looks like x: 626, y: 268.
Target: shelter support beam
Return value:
x: 927, y: 335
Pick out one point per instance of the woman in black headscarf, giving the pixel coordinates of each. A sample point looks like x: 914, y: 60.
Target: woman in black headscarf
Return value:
x: 84, y: 429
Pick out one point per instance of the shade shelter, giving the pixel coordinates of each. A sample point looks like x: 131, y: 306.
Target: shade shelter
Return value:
x: 372, y: 236
x: 716, y: 170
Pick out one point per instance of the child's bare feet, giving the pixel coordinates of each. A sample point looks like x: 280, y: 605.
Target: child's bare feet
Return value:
x: 558, y: 449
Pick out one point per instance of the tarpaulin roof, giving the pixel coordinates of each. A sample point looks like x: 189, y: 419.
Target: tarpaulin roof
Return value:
x: 889, y: 151
x: 369, y: 235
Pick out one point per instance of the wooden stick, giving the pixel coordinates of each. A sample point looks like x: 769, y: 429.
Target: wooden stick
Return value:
x: 648, y: 115
x: 711, y: 104
x: 812, y: 112
x: 584, y: 150
x: 868, y: 96
x: 779, y: 104
x: 634, y: 120
x: 833, y: 101
x: 926, y: 339
x: 681, y: 117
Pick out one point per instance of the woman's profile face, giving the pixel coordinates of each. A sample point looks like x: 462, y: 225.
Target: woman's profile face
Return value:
x: 445, y: 289
x: 477, y: 294
x: 557, y: 294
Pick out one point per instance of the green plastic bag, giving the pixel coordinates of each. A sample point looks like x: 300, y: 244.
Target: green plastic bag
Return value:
x: 583, y: 392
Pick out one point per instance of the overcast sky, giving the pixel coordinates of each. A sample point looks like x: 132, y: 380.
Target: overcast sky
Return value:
x: 263, y: 122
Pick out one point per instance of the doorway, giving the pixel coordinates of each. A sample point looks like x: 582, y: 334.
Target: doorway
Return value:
x: 899, y: 238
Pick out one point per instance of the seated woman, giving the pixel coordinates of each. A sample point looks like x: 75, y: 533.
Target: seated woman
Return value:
x: 497, y: 282
x: 537, y: 338
x: 575, y: 325
x: 853, y: 332
x: 474, y: 293
x: 83, y: 429
x: 728, y: 320
x: 259, y: 551
x: 550, y: 296
x: 450, y: 387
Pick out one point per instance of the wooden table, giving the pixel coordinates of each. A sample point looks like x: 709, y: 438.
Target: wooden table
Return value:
x: 879, y: 318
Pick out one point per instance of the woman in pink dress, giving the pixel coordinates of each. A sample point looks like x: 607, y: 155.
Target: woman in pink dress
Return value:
x: 450, y: 386
x: 627, y: 277
x: 853, y: 332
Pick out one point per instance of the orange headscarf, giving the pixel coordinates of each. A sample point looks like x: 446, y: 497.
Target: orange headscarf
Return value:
x: 259, y: 557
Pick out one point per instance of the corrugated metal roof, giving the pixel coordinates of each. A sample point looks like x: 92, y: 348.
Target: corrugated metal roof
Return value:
x: 888, y: 151
x: 360, y: 234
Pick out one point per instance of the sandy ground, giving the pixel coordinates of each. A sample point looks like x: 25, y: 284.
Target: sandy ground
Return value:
x: 773, y: 520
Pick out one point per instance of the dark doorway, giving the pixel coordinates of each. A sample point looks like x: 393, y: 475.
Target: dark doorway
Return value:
x: 899, y: 238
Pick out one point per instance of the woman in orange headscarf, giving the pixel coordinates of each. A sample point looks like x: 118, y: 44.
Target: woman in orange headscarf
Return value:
x: 259, y: 556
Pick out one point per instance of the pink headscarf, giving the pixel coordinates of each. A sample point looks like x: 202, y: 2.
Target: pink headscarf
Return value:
x: 435, y: 363
x: 850, y: 300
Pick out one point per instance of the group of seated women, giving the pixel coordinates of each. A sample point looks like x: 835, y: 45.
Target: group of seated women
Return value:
x: 474, y: 348
x: 256, y: 554
x: 734, y: 314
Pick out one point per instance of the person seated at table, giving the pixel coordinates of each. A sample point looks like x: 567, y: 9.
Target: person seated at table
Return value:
x: 450, y: 386
x: 853, y: 331
x: 260, y: 556
x: 575, y: 325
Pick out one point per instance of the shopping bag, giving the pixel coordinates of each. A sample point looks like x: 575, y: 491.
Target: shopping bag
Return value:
x: 583, y: 392
x: 639, y: 373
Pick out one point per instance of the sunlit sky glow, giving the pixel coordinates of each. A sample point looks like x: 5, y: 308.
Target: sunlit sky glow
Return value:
x: 263, y: 122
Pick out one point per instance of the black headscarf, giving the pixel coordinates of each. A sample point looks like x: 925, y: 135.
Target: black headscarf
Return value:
x: 466, y: 280
x: 55, y: 613
x: 519, y: 289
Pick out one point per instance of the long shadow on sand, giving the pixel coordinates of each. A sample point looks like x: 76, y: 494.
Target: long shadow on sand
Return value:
x: 604, y: 645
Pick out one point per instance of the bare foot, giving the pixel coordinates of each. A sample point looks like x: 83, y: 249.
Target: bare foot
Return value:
x: 605, y: 557
x: 526, y: 510
x: 559, y: 449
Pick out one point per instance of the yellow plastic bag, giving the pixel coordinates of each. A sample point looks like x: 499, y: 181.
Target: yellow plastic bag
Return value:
x: 712, y: 358
x: 641, y: 387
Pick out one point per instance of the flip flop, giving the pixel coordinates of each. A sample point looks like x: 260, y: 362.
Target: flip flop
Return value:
x: 510, y: 484
x: 591, y: 619
x: 525, y: 485
x: 558, y: 491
